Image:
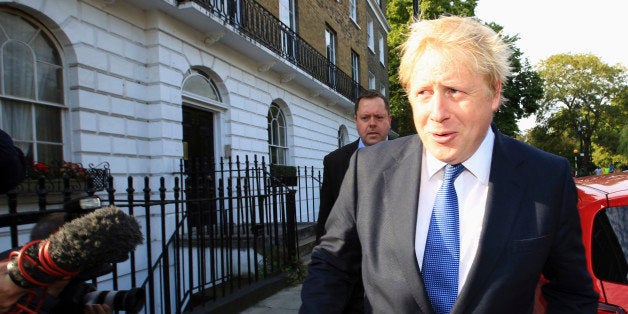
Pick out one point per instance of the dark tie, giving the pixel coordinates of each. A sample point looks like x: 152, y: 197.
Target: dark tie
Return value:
x: 442, y: 248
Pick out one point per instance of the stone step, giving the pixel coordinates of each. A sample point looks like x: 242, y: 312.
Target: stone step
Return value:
x: 306, y: 245
x: 306, y: 229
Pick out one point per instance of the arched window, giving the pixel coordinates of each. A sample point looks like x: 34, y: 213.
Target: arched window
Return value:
x: 199, y: 84
x: 343, y: 136
x: 277, y: 137
x: 31, y: 87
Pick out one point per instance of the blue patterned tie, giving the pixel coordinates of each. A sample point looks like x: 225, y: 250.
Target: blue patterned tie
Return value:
x: 442, y: 248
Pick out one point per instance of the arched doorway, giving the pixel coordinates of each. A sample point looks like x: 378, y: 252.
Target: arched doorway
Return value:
x: 199, y: 127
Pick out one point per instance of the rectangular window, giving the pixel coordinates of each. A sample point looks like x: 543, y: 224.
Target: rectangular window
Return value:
x: 353, y: 10
x: 382, y: 88
x: 330, y: 44
x: 369, y: 33
x: 355, y: 72
x: 355, y: 66
x: 287, y: 16
x: 371, y: 80
x: 382, y: 50
x: 330, y: 50
x: 287, y: 13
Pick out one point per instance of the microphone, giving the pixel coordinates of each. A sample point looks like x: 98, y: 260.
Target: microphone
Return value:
x: 105, y: 235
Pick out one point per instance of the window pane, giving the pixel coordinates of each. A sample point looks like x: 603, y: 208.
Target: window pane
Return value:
x: 369, y: 33
x: 49, y: 154
x: 45, y: 49
x: 16, y: 27
x: 200, y: 85
x: 273, y: 154
x: 17, y: 121
x: 49, y: 82
x: 610, y: 245
x: 282, y: 136
x: 48, y: 123
x: 281, y: 156
x: 353, y: 11
x: 18, y: 70
x: 277, y: 137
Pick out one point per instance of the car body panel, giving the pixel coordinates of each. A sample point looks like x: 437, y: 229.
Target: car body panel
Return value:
x: 596, y: 193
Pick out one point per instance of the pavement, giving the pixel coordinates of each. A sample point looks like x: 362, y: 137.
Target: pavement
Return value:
x: 286, y: 301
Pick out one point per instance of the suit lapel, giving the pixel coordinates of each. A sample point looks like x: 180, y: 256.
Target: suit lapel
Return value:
x: 402, y: 195
x: 504, y: 198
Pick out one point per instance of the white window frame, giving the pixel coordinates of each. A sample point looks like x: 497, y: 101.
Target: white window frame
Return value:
x: 382, y: 50
x: 37, y: 102
x: 277, y: 125
x: 370, y: 33
x: 343, y: 136
x: 372, y: 82
x: 353, y: 10
x: 355, y: 66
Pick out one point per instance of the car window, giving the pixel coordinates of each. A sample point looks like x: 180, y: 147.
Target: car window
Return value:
x: 610, y: 244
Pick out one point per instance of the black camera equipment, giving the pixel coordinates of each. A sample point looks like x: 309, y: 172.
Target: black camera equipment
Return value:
x: 77, y: 294
x: 84, y: 248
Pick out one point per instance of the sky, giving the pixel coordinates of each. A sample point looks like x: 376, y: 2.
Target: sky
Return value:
x: 548, y: 27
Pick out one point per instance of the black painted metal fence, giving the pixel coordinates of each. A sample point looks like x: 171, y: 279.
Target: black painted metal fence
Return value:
x: 210, y: 230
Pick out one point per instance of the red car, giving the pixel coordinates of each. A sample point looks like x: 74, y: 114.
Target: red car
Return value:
x: 603, y: 207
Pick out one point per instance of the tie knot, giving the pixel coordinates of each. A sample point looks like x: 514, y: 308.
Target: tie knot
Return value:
x: 452, y: 172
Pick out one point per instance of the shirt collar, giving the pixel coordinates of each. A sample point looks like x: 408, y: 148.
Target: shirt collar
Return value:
x: 479, y: 164
x: 361, y: 144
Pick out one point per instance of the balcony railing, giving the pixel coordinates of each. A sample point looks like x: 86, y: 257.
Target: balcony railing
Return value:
x: 252, y: 20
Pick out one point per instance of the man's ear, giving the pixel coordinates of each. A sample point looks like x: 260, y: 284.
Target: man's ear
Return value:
x: 497, y: 96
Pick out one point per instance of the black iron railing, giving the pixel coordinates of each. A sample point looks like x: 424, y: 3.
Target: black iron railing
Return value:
x: 210, y: 231
x: 251, y: 19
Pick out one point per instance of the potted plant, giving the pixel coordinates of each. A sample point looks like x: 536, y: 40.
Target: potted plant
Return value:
x: 283, y: 175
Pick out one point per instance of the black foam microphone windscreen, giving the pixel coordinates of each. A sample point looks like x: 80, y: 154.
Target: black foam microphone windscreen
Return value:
x: 105, y: 235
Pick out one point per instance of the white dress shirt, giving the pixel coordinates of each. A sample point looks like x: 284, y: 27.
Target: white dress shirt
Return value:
x: 471, y: 189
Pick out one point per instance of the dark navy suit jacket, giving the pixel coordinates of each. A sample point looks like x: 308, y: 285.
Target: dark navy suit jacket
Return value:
x: 335, y: 165
x: 531, y: 227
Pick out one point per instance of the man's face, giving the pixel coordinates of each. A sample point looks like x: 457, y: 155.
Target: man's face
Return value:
x: 372, y: 120
x: 452, y: 107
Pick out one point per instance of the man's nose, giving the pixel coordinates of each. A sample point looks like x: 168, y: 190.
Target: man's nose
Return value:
x: 438, y: 109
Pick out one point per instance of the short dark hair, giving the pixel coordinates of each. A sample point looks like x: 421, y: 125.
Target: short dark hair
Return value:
x: 368, y: 94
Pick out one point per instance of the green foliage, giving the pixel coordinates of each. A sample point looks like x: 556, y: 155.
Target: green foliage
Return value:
x: 296, y: 271
x: 588, y: 97
x: 522, y: 91
x: 553, y: 140
x: 277, y: 259
x: 433, y: 9
x: 603, y: 157
x: 622, y: 148
x: 399, y: 15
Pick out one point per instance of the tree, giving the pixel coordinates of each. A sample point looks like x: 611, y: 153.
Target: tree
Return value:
x: 552, y: 140
x: 523, y: 90
x: 610, y: 140
x: 432, y: 9
x: 399, y: 15
x: 579, y: 89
